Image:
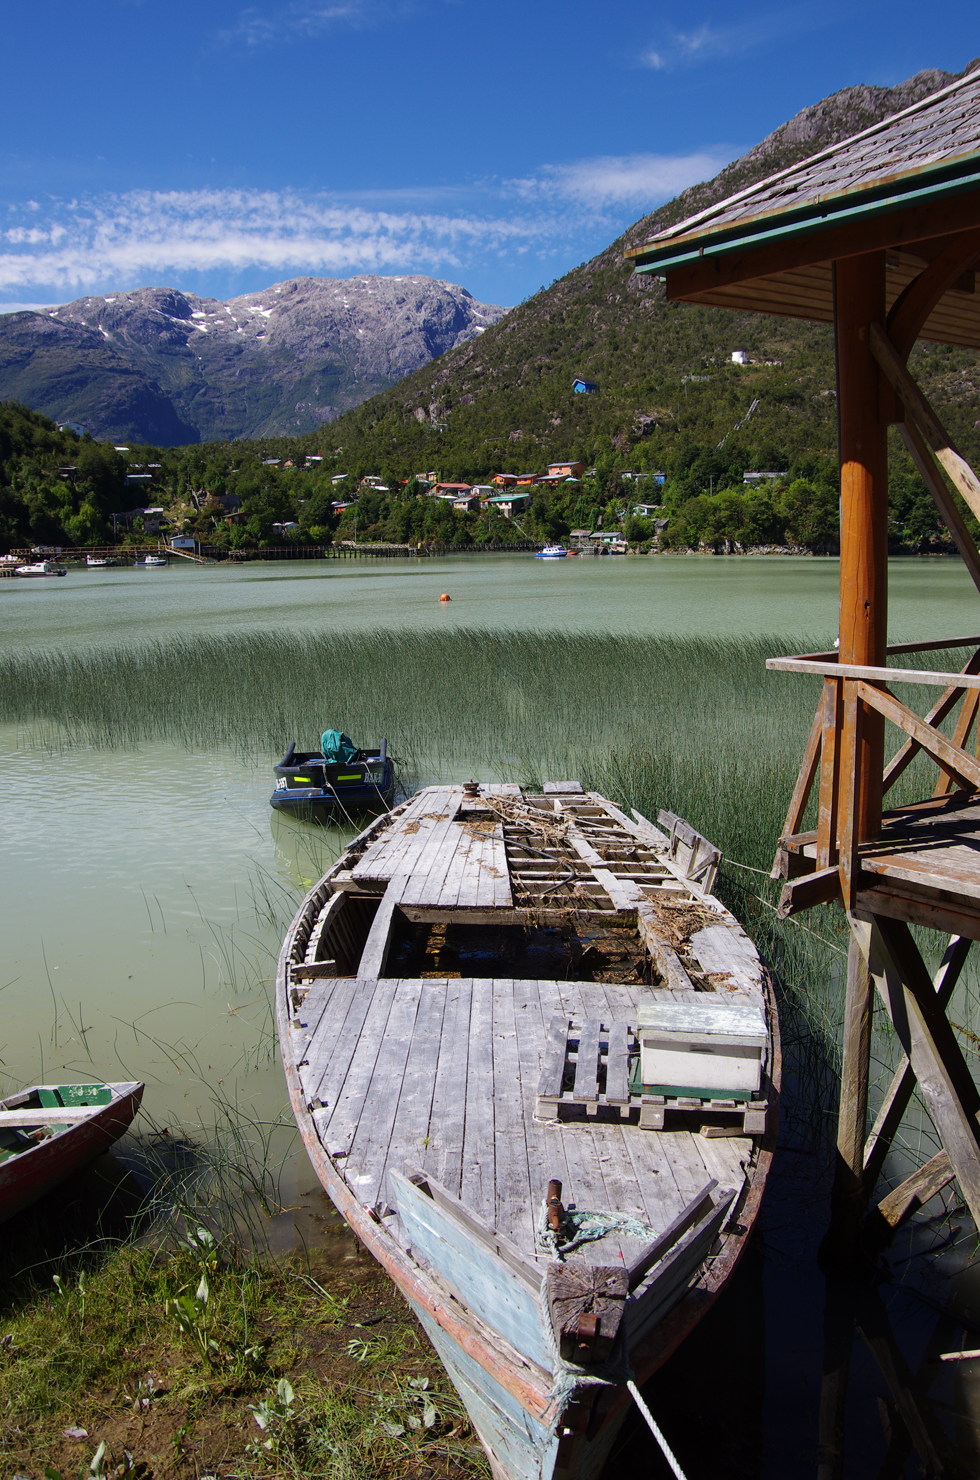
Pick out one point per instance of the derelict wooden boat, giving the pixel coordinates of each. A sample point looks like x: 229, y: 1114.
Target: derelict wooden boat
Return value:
x: 50, y: 1130
x: 495, y: 992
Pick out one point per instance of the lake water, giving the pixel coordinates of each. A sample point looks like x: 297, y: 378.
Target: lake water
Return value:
x: 697, y: 595
x: 145, y: 894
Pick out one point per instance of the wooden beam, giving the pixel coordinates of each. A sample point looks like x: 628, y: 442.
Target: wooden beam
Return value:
x: 925, y: 418
x: 899, y: 1093
x: 897, y: 229
x: 945, y: 1082
x: 849, y: 1195
x: 908, y: 314
x: 821, y: 887
x: 924, y: 1428
x: 961, y: 733
x: 958, y: 763
x: 833, y: 715
x: 860, y: 305
x: 911, y: 1195
x: 949, y: 513
x: 808, y: 771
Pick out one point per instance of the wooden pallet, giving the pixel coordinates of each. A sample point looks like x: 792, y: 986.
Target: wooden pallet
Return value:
x: 596, y: 1055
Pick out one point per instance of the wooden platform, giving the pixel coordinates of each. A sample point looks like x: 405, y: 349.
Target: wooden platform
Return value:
x: 925, y: 866
x: 442, y: 1075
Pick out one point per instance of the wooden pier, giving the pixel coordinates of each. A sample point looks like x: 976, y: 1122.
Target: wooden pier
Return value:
x: 879, y: 236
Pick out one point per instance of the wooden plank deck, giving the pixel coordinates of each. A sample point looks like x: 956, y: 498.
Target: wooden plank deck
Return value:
x: 442, y: 1074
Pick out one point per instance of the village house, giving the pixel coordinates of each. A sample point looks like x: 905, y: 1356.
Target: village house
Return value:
x: 560, y: 471
x: 449, y: 490
x: 504, y: 480
x: 585, y: 387
x: 506, y: 503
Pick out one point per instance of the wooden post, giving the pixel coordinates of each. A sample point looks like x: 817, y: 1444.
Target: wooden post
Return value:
x: 849, y: 1196
x: 860, y: 302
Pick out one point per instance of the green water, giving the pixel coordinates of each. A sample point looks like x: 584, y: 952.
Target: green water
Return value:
x: 695, y: 595
x: 145, y: 889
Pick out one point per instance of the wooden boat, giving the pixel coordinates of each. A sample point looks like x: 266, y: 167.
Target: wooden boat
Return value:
x: 50, y: 1130
x: 470, y: 1003
x: 308, y: 785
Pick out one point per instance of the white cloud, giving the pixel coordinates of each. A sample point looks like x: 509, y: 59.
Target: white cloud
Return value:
x: 149, y: 234
x: 641, y: 180
x: 707, y: 42
x: 67, y: 248
x: 256, y: 27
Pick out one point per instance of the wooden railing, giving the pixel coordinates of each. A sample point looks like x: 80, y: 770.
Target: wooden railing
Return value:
x: 826, y: 860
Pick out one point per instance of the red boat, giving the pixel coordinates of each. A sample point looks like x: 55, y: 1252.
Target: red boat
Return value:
x: 50, y: 1130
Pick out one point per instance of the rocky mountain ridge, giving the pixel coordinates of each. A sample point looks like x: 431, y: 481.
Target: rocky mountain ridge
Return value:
x: 166, y: 367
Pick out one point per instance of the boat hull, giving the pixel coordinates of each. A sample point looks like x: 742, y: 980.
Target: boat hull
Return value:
x: 536, y: 1419
x: 29, y: 1175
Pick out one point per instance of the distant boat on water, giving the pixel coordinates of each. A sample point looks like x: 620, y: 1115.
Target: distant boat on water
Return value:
x: 552, y: 552
x: 41, y: 568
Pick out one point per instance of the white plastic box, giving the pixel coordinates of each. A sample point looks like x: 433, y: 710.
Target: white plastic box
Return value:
x: 716, y: 1046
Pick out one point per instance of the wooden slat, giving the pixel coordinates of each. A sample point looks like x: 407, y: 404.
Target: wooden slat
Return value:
x: 379, y: 1102
x: 374, y: 957
x: 553, y: 1067
x: 19, y: 1118
x: 943, y: 706
x: 442, y: 1152
x: 587, y: 1061
x: 478, y: 1190
x: 833, y: 713
x: 514, y: 1208
x: 948, y: 512
x: 674, y: 1230
x: 617, y: 1065
x: 350, y: 1059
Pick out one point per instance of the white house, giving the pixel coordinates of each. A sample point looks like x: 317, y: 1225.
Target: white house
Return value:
x: 739, y: 357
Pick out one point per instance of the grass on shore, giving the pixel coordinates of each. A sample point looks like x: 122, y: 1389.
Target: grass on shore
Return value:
x: 199, y: 1359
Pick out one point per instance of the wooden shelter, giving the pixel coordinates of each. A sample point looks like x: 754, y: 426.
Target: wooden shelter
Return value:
x: 880, y: 236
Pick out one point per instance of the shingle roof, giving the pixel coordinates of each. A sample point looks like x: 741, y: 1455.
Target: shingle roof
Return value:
x: 902, y: 184
x: 939, y: 135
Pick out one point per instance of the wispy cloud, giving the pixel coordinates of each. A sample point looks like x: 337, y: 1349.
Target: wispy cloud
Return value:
x: 260, y: 27
x: 707, y: 42
x: 642, y: 180
x: 62, y: 248
x: 144, y: 234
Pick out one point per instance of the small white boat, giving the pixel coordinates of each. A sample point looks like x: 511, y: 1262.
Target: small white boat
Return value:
x: 151, y: 562
x: 552, y: 552
x: 95, y: 562
x: 41, y: 568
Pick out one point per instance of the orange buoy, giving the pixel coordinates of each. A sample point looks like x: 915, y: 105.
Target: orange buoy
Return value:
x: 445, y: 597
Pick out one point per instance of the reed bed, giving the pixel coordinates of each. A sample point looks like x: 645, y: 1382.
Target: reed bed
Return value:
x: 698, y: 725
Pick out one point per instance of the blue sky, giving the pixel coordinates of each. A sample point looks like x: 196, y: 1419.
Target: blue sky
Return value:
x: 220, y: 148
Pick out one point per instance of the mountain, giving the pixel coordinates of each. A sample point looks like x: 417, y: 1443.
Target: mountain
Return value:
x: 667, y: 384
x: 164, y: 367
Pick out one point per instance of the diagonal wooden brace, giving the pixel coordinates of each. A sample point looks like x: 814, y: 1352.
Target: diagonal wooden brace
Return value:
x: 953, y: 759
x: 945, y: 1082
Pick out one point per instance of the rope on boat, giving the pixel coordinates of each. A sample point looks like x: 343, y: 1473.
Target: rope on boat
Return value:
x: 580, y: 1227
x: 654, y: 1428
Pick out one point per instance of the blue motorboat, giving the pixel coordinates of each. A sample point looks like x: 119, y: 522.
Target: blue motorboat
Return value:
x: 338, y: 778
x: 552, y: 552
